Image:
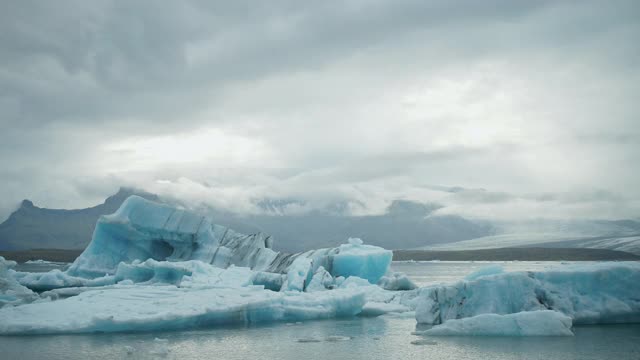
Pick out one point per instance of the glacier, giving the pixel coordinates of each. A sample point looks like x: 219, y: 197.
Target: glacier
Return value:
x: 588, y: 294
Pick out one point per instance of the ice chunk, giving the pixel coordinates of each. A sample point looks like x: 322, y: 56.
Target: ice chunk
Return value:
x: 397, y: 282
x: 149, y: 308
x: 424, y: 342
x: 146, y: 272
x: 55, y: 279
x: 365, y: 261
x: 270, y: 281
x: 299, y: 274
x: 11, y: 292
x: 308, y: 340
x: 529, y: 323
x: 599, y: 293
x: 381, y: 308
x: 321, y: 281
x: 335, y: 338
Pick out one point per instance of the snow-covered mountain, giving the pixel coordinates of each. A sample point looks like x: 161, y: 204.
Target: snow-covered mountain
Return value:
x: 621, y: 235
x: 404, y: 225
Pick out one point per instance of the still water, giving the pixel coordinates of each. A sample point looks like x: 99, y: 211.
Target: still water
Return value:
x: 385, y: 337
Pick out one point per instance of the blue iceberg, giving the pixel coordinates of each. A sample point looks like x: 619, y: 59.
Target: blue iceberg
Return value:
x: 598, y: 293
x: 142, y: 229
x: 151, y: 266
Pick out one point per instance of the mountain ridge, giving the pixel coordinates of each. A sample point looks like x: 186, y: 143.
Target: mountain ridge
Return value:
x: 406, y: 224
x: 31, y: 226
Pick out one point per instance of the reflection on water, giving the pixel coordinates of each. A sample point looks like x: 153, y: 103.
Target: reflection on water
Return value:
x: 370, y: 339
x: 355, y: 338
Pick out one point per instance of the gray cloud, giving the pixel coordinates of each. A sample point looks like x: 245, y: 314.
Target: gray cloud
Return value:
x: 534, y: 101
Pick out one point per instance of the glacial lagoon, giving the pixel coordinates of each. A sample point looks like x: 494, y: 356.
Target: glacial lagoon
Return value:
x: 385, y: 337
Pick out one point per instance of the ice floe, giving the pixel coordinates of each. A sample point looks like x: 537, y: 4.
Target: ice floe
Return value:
x: 528, y: 323
x: 597, y: 293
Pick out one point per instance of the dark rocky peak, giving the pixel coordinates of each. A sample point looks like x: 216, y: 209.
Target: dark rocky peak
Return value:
x: 411, y: 209
x: 27, y: 204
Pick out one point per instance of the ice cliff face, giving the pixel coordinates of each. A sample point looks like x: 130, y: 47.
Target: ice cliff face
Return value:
x: 600, y: 293
x: 142, y: 229
x: 526, y: 323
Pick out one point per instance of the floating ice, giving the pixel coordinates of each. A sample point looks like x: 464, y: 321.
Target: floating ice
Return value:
x: 299, y: 274
x: 397, y: 282
x: 364, y: 261
x: 600, y: 293
x: 381, y: 308
x: 11, y: 292
x: 154, y: 267
x: 270, y: 281
x: 151, y: 308
x: 528, y: 323
x: 146, y: 272
x: 321, y: 281
x: 142, y: 229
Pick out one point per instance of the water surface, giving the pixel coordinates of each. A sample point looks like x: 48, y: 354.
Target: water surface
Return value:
x: 385, y: 337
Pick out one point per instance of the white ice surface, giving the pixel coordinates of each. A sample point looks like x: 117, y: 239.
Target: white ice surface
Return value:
x: 529, y: 323
x: 152, y: 308
x: 396, y: 281
x: 321, y: 281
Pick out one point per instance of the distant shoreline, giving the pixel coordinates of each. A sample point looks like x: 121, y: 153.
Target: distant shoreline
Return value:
x: 58, y: 255
x: 502, y: 254
x: 520, y: 254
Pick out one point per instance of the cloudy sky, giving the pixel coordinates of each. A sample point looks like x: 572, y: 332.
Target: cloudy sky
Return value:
x: 527, y: 108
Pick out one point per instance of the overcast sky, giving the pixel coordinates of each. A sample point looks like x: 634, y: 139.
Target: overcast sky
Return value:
x: 532, y: 107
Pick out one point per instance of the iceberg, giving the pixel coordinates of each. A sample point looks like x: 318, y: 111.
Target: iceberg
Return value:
x: 598, y: 293
x: 141, y: 229
x: 396, y: 281
x: 355, y: 259
x: 11, y: 292
x: 152, y: 267
x: 528, y: 323
x: 157, y: 308
x: 160, y: 295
